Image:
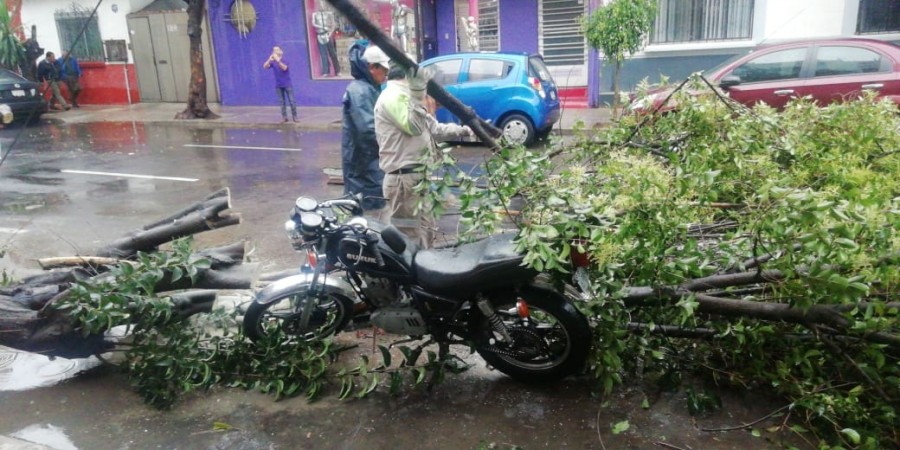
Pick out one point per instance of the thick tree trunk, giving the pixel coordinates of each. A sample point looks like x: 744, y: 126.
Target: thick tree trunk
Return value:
x: 197, y: 108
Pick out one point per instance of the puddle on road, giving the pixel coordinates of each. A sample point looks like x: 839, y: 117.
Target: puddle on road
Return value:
x: 20, y: 202
x: 47, y: 435
x: 20, y: 371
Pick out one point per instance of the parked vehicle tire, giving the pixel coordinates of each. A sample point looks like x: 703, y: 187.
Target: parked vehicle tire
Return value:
x: 517, y: 130
x: 552, y: 343
x: 330, y: 314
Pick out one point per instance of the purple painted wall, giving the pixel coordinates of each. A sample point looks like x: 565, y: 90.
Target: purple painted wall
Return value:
x: 242, y: 80
x: 519, y: 26
x: 446, y: 27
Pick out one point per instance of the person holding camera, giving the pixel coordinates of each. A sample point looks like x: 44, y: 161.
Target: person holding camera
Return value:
x: 283, y: 86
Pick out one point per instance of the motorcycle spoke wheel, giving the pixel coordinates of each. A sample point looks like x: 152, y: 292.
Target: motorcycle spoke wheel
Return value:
x: 284, y: 317
x: 550, y: 344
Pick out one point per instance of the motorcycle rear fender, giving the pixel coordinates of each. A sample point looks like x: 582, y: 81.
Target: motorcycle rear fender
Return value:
x: 302, y: 283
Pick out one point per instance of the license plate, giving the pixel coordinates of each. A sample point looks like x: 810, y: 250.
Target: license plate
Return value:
x: 17, y: 93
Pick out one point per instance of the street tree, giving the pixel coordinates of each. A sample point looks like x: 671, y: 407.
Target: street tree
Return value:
x: 619, y: 29
x: 12, y: 52
x: 197, y: 106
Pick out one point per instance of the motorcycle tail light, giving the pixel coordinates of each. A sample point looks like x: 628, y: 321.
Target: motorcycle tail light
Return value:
x: 311, y: 258
x: 522, y: 309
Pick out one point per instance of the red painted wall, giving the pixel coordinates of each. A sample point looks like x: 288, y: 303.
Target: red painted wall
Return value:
x: 105, y: 84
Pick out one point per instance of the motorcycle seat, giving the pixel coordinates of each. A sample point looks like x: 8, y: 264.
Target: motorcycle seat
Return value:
x: 471, y: 267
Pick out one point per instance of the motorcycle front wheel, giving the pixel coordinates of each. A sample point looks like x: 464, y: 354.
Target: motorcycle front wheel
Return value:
x: 330, y: 313
x: 550, y: 343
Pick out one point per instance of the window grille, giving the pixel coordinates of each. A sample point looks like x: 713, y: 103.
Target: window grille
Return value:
x: 69, y: 24
x: 488, y: 25
x: 702, y: 20
x: 878, y: 16
x: 561, y: 41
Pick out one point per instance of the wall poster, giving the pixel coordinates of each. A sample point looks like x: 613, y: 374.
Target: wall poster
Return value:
x: 331, y: 34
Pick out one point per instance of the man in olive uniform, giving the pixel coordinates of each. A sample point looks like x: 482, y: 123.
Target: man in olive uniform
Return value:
x: 49, y: 73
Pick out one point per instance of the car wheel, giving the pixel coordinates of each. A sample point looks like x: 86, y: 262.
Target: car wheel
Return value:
x: 517, y: 130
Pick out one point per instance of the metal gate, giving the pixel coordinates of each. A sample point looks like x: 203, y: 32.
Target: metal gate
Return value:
x: 561, y: 41
x: 162, y: 57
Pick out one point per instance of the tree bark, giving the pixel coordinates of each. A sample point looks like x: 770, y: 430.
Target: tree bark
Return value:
x: 202, y: 216
x: 197, y: 107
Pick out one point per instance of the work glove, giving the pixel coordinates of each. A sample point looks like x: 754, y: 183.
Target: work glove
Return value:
x: 418, y: 80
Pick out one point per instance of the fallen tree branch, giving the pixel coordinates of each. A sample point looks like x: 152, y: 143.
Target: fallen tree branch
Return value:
x: 203, y: 216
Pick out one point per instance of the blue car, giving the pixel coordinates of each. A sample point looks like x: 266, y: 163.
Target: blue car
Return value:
x: 513, y: 91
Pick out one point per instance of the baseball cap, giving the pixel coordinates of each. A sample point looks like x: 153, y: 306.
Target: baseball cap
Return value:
x: 375, y: 55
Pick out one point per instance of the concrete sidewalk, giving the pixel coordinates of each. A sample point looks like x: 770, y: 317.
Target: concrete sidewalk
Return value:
x: 311, y: 118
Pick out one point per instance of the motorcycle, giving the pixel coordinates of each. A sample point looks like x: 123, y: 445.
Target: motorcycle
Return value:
x: 477, y: 294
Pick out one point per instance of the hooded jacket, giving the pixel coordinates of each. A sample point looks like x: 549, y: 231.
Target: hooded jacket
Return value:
x: 359, y: 148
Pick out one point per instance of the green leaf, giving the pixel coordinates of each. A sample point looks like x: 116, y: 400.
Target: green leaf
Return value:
x: 621, y: 427
x: 222, y: 426
x: 385, y: 355
x: 851, y: 434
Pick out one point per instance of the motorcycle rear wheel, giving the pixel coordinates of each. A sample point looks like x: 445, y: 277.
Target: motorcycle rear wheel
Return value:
x: 551, y: 344
x: 331, y: 313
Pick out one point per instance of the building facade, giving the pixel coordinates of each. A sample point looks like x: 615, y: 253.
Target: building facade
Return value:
x: 689, y: 35
x: 693, y: 35
x: 103, y: 49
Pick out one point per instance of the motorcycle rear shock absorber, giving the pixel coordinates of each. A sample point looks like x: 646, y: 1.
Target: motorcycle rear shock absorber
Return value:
x: 496, y: 322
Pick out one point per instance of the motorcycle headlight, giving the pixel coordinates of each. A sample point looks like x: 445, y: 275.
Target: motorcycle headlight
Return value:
x: 310, y: 223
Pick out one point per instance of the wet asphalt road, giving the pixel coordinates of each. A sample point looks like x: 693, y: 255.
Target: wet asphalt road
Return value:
x: 65, y: 190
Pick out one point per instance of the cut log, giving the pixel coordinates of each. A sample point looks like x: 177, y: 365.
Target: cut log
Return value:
x: 203, y: 216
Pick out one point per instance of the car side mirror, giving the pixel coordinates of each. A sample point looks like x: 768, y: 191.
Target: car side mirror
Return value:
x: 729, y: 81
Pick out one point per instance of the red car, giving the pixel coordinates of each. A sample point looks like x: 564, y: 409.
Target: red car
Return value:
x: 828, y: 70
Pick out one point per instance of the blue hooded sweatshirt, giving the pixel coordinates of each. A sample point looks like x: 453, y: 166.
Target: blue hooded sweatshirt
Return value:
x: 359, y: 149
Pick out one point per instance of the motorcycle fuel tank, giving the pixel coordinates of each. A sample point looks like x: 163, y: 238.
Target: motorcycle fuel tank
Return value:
x: 360, y: 256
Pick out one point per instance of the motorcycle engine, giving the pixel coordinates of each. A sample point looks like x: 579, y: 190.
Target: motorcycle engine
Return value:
x: 393, y: 314
x: 380, y: 291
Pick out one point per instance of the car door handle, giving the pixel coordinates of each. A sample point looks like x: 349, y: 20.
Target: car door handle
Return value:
x: 873, y: 86
x: 783, y: 92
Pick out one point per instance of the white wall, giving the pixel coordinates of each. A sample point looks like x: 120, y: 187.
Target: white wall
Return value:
x: 777, y: 20
x: 802, y: 19
x: 113, y: 24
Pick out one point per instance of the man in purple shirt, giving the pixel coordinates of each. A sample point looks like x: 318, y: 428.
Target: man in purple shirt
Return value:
x: 283, y: 85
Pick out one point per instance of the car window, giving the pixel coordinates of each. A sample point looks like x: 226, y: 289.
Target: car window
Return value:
x: 539, y: 69
x: 780, y: 65
x: 447, y: 72
x: 488, y: 69
x: 9, y: 77
x: 838, y: 60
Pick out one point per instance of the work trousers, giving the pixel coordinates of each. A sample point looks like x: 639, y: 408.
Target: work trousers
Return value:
x: 400, y: 191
